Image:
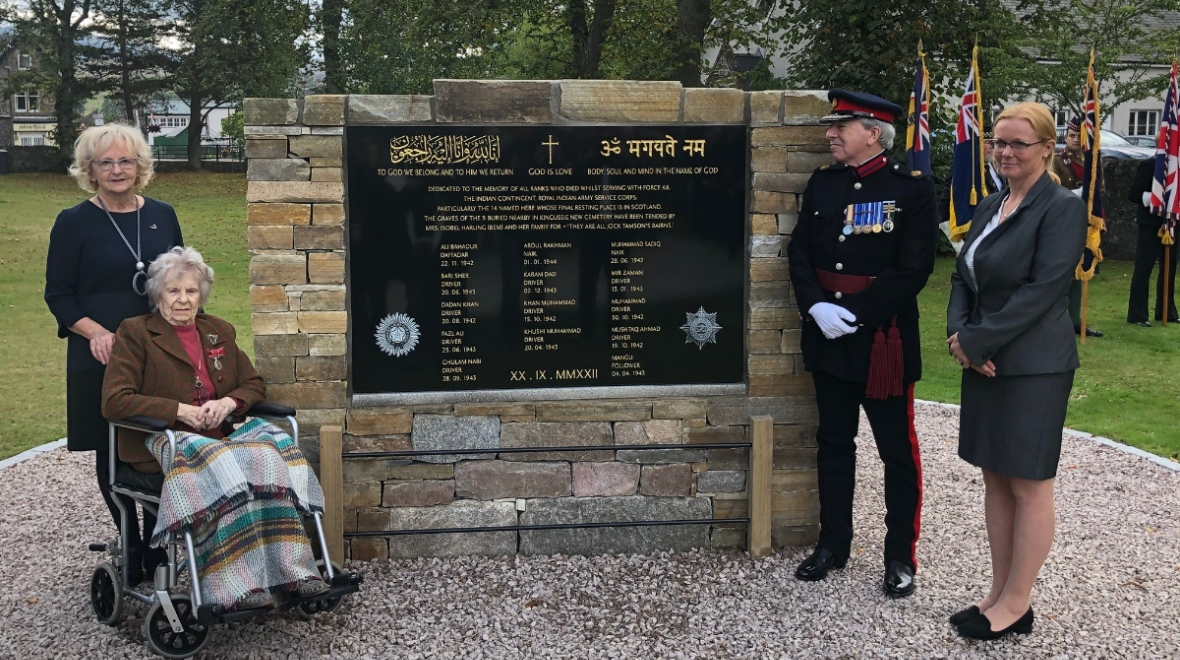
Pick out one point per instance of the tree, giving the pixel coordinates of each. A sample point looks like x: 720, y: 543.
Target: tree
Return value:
x: 1060, y: 37
x: 56, y: 30
x: 331, y: 18
x: 130, y: 61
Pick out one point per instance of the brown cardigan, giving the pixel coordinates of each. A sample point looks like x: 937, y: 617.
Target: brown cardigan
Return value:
x: 149, y: 374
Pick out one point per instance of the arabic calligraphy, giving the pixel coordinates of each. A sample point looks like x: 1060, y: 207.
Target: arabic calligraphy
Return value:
x: 444, y: 149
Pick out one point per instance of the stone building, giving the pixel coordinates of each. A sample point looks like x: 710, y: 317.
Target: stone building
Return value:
x: 26, y: 117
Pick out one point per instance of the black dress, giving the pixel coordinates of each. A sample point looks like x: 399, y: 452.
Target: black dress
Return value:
x: 88, y: 274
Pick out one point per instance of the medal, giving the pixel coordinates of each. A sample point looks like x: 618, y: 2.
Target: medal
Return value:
x: 847, y: 220
x: 216, y: 354
x: 857, y: 218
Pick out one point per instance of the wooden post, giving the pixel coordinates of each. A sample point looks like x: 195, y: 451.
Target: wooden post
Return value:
x: 1085, y: 304
x: 761, y: 465
x: 1165, y: 275
x: 332, y: 481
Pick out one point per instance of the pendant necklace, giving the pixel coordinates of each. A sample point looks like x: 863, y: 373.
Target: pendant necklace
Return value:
x: 139, y: 272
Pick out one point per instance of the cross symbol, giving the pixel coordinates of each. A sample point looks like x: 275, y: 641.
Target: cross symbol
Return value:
x: 550, y: 144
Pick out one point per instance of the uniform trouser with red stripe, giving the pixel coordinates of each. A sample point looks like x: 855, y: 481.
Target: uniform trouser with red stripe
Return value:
x: 892, y: 422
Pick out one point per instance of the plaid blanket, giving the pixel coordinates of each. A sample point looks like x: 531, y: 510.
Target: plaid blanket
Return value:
x: 241, y: 499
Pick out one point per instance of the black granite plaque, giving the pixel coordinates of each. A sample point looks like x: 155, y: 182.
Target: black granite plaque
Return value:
x: 508, y: 257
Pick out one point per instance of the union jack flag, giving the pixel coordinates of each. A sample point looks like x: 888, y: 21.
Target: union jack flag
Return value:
x: 1165, y: 189
x: 1092, y: 177
x: 917, y: 135
x: 967, y: 167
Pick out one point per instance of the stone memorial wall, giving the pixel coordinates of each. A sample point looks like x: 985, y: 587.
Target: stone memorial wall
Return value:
x: 515, y: 264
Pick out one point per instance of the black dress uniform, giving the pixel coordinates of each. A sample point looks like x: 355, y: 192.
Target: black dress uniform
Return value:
x: 866, y: 240
x: 1148, y: 251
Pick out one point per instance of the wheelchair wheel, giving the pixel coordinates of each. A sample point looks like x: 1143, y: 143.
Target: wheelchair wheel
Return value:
x: 324, y: 605
x: 106, y: 594
x: 167, y: 643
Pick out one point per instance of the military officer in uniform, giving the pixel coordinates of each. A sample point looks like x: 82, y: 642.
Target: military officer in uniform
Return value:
x: 862, y: 250
x: 1148, y: 251
x: 1070, y: 168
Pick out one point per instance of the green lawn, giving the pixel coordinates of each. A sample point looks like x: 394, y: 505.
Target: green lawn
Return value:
x: 212, y: 212
x: 1128, y: 387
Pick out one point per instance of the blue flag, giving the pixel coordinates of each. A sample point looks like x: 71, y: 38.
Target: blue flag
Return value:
x: 917, y: 135
x: 967, y: 167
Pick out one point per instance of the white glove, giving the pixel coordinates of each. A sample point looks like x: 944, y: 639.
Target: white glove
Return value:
x: 1147, y: 199
x: 831, y: 319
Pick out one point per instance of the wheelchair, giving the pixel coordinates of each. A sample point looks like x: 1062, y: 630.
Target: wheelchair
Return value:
x: 177, y: 623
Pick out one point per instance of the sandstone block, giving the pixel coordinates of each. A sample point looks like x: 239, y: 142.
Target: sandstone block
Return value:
x: 782, y: 384
x: 310, y: 421
x: 321, y: 368
x: 379, y: 421
x: 382, y: 109
x: 454, y: 515
x: 770, y: 269
x: 735, y: 411
x: 276, y: 369
x: 765, y: 246
x: 274, y: 323
x: 678, y: 409
x: 773, y: 202
x: 717, y: 435
x: 478, y: 101
x: 323, y: 322
x: 316, y: 146
x: 781, y: 181
x: 794, y: 458
x: 362, y: 494
x: 787, y: 222
x: 721, y: 481
x: 325, y: 162
x: 368, y: 548
x: 622, y: 101
x: 781, y: 480
x: 295, y: 191
x: 490, y: 480
x: 557, y: 434
x: 770, y: 294
x: 770, y: 364
x: 807, y: 162
x: 788, y: 136
x: 714, y: 105
x: 729, y: 459
x: 322, y: 345
x: 266, y: 148
x: 325, y: 268
x: 763, y: 223
x: 364, y: 470
x: 278, y: 214
x: 309, y: 395
x: 318, y: 238
x: 795, y: 435
x: 784, y: 535
x: 766, y: 107
x: 605, y: 479
x: 268, y: 298
x: 728, y: 538
x: 600, y: 411
x: 327, y: 174
x: 614, y: 540
x: 731, y: 508
x: 805, y: 106
x: 278, y: 269
x: 764, y: 341
x: 769, y: 159
x: 419, y: 471
x: 324, y: 130
x: 280, y: 345
x: 363, y: 443
x: 271, y: 131
x: 323, y: 110
x: 651, y: 432
x: 269, y: 237
x: 795, y: 501
x: 277, y: 169
x: 660, y: 456
x: 432, y: 432
x: 326, y: 301
x: 327, y: 214
x: 508, y: 412
x: 418, y: 493
x: 666, y: 480
x: 767, y: 318
x: 270, y: 111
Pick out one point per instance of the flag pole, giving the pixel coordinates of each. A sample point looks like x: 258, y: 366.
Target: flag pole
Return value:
x: 1085, y: 306
x: 1165, y: 274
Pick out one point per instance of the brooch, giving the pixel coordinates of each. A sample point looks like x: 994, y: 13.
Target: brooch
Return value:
x: 216, y: 354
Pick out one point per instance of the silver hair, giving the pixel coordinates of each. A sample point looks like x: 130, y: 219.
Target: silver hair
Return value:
x: 171, y: 265
x: 887, y: 131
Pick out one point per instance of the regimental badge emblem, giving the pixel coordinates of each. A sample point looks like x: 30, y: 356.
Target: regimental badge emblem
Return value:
x: 700, y: 328
x: 397, y: 335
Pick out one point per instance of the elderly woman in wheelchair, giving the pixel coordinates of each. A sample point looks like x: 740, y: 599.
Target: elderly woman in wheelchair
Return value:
x: 234, y: 497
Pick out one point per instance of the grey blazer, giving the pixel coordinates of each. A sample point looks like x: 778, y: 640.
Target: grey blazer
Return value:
x: 1018, y: 317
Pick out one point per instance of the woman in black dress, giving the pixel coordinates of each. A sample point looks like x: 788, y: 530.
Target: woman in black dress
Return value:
x: 1009, y: 328
x: 95, y: 274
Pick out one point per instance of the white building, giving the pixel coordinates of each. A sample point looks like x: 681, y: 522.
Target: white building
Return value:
x: 172, y: 116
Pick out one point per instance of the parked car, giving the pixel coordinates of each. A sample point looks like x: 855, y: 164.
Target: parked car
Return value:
x: 1141, y: 141
x: 1116, y: 146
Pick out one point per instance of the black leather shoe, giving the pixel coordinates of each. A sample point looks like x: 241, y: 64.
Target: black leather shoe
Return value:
x: 1141, y: 324
x: 981, y: 628
x: 1171, y: 319
x: 816, y: 567
x: 1090, y: 332
x: 963, y: 616
x: 899, y: 579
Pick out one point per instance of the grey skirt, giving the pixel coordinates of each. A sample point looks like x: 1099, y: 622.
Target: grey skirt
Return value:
x: 1012, y: 425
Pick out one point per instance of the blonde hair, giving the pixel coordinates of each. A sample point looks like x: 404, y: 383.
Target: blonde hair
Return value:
x: 1041, y: 120
x: 173, y: 264
x: 97, y: 139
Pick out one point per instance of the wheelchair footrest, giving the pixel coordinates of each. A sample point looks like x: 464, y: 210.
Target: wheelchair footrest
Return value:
x: 347, y: 579
x: 213, y: 614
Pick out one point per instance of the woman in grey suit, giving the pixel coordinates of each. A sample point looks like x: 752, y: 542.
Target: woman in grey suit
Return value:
x: 1008, y: 326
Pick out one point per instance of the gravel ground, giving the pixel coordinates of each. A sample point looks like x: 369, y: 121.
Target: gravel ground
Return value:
x: 1111, y: 587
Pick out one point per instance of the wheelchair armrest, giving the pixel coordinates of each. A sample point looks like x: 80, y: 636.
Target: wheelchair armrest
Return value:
x: 143, y: 423
x: 265, y: 409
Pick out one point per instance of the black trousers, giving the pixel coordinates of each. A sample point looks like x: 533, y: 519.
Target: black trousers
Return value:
x: 1148, y: 253
x: 892, y: 421
x: 137, y: 543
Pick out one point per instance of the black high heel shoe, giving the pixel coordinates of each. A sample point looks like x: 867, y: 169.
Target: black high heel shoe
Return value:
x: 981, y: 628
x: 963, y: 616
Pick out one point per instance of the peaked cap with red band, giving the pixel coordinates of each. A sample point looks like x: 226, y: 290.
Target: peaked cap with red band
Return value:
x: 852, y: 105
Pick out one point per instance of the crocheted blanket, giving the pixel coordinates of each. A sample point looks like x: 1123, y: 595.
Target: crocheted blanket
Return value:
x: 241, y: 499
